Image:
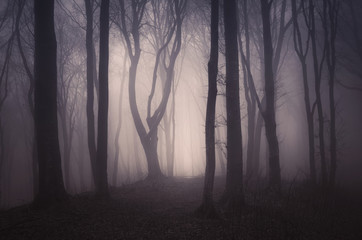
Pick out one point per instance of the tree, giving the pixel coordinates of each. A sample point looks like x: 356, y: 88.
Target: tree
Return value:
x: 207, y: 207
x: 302, y: 52
x: 30, y: 92
x: 90, y: 89
x: 51, y: 187
x: 119, y: 124
x: 251, y: 169
x: 149, y: 137
x: 317, y: 67
x: 330, y: 24
x: 251, y: 26
x: 269, y: 114
x: 233, y: 195
x: 102, y: 137
x: 69, y: 83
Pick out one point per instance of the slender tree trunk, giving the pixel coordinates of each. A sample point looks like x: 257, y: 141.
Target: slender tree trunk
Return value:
x: 30, y: 95
x: 102, y: 138
x: 66, y: 149
x: 250, y: 99
x: 302, y: 55
x: 173, y: 120
x: 257, y: 142
x: 330, y: 15
x: 116, y: 140
x: 207, y: 207
x: 90, y: 90
x: 51, y: 187
x: 270, y: 123
x: 317, y: 78
x: 310, y: 123
x: 95, y: 75
x: 233, y: 195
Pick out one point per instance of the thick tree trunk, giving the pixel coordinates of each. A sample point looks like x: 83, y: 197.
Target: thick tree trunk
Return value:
x: 51, y: 187
x: 149, y: 141
x: 207, y: 207
x: 102, y: 138
x: 90, y: 90
x: 269, y: 114
x: 233, y: 195
x: 150, y: 147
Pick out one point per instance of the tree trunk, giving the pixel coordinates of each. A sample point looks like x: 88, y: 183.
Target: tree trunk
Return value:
x: 330, y: 15
x: 269, y: 114
x: 233, y: 195
x: 207, y: 207
x: 317, y: 78
x: 66, y: 149
x: 168, y: 142
x: 51, y: 187
x: 250, y: 99
x: 302, y: 54
x: 90, y: 90
x: 116, y: 140
x: 102, y: 138
x: 257, y: 142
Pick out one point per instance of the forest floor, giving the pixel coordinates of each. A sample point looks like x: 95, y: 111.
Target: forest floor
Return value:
x: 166, y: 211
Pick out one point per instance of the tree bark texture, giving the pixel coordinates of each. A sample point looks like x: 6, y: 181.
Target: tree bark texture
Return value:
x: 102, y: 137
x: 233, y: 196
x: 51, y: 187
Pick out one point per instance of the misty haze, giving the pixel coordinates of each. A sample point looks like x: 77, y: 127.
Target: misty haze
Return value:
x: 180, y: 119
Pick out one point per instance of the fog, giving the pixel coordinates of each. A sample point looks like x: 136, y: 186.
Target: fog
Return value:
x: 183, y: 122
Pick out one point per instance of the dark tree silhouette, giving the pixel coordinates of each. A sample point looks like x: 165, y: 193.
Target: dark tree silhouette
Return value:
x: 317, y: 68
x: 30, y: 92
x: 269, y: 114
x: 119, y: 124
x: 302, y: 52
x: 233, y: 195
x: 207, y: 206
x: 134, y: 52
x: 330, y: 24
x: 102, y: 137
x: 51, y: 187
x: 149, y: 137
x: 90, y: 88
x: 251, y: 161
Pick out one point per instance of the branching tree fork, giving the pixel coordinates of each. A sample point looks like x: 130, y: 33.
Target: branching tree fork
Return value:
x: 149, y: 137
